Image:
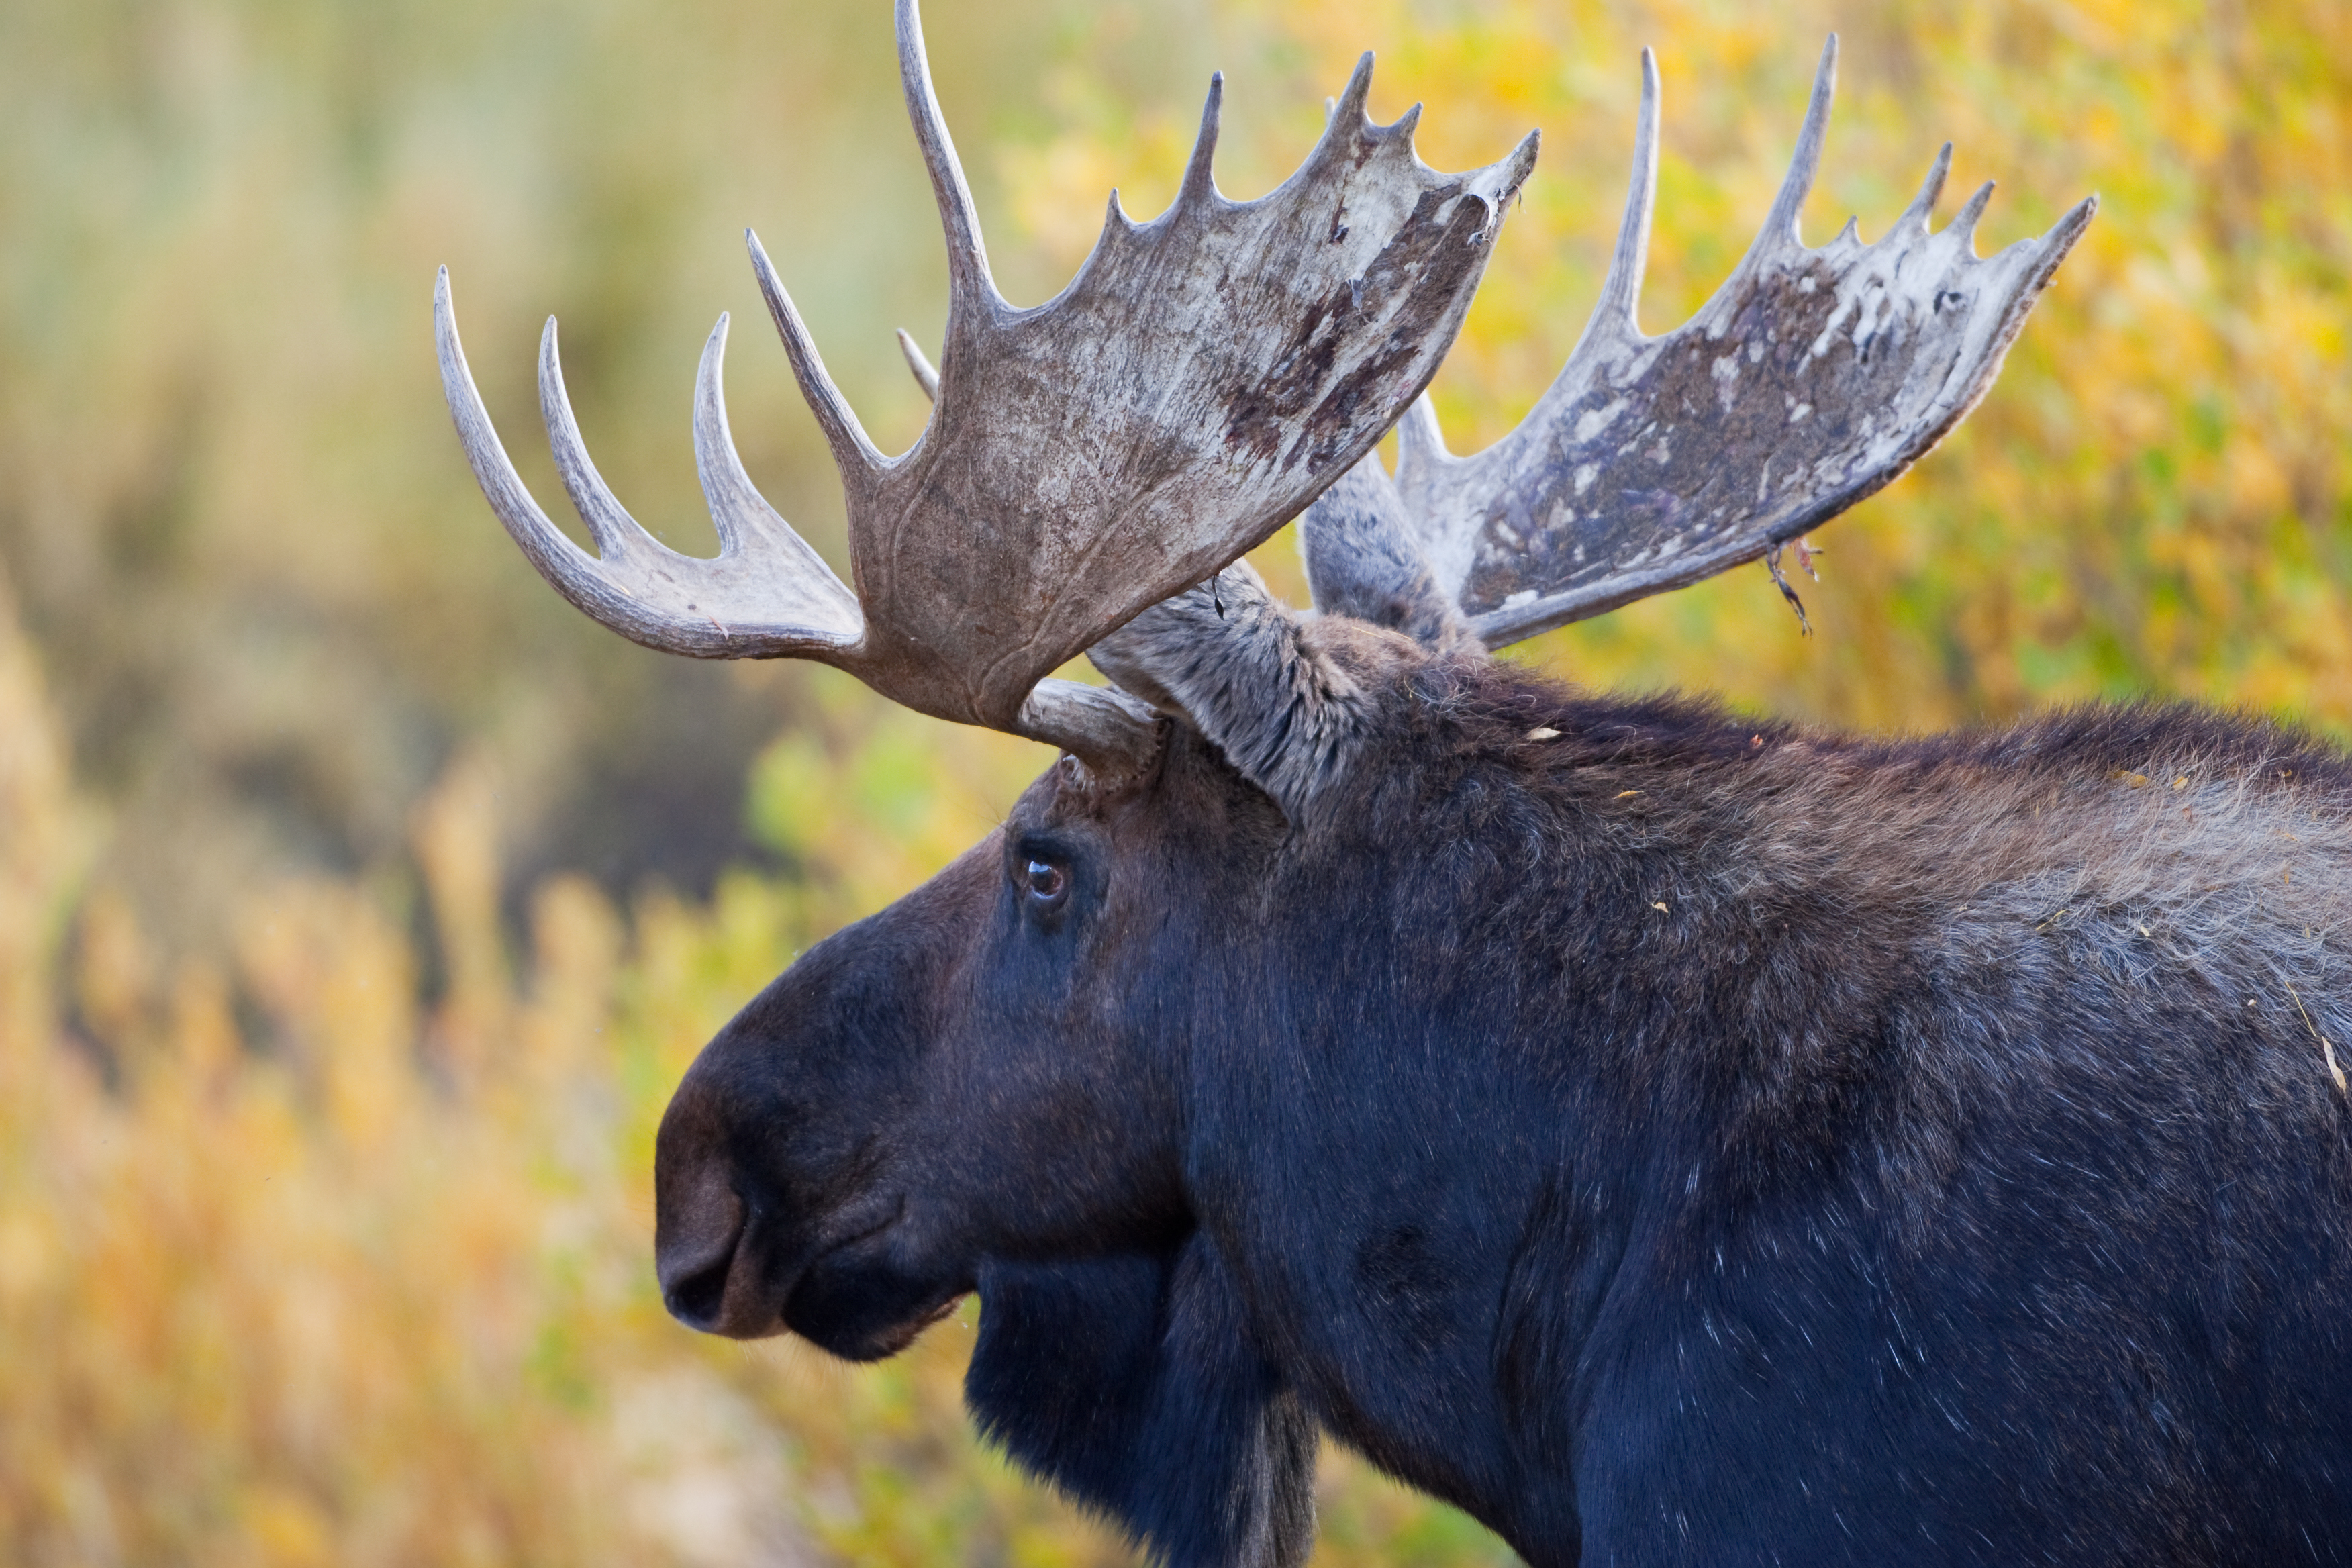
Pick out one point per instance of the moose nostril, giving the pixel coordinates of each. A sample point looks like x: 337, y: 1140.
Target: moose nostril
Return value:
x: 695, y: 1299
x: 700, y: 1227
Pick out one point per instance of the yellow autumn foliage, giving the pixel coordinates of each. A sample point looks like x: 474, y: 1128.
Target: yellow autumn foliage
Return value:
x: 325, y: 1234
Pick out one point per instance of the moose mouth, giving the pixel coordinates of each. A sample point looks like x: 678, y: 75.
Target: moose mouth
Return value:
x: 858, y: 1299
x: 849, y: 1295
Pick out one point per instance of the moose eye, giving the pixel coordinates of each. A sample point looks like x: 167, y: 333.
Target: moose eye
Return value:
x: 1043, y: 882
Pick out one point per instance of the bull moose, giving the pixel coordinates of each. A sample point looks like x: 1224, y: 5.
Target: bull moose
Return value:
x: 1669, y: 1138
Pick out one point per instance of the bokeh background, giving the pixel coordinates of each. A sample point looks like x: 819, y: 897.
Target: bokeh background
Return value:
x: 360, y: 903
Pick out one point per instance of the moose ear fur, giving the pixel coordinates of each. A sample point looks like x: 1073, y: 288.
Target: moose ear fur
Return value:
x: 1282, y: 695
x: 1129, y: 1384
x: 1363, y: 559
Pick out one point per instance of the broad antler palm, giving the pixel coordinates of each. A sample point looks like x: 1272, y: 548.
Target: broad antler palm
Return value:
x: 1199, y: 382
x: 1811, y: 379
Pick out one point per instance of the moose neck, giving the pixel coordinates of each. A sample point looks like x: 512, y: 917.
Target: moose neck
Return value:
x: 1469, y: 1069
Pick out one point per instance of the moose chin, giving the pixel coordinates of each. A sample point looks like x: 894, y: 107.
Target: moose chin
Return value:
x: 1668, y: 1137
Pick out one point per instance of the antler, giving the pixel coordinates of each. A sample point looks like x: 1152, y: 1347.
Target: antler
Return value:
x: 1202, y: 378
x: 1811, y: 379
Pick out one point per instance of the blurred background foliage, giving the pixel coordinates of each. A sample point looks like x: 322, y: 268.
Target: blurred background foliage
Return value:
x: 360, y: 903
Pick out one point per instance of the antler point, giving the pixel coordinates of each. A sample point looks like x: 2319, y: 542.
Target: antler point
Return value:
x: 1964, y: 225
x: 925, y: 376
x: 2061, y: 235
x: 1916, y: 217
x: 1360, y: 86
x: 1199, y: 179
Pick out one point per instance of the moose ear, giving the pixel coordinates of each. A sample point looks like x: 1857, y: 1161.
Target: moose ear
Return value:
x: 1277, y: 693
x: 1129, y: 1384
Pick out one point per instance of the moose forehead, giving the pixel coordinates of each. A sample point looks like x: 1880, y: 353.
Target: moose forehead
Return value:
x: 1189, y: 800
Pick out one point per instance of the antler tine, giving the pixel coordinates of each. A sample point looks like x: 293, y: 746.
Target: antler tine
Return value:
x: 853, y: 451
x: 1964, y: 224
x: 1780, y: 230
x: 609, y: 523
x: 1347, y: 109
x: 970, y: 285
x: 742, y: 516
x: 1199, y: 179
x: 1621, y: 291
x: 1810, y: 380
x: 559, y: 560
x: 1919, y: 216
x: 738, y: 510
x: 925, y: 376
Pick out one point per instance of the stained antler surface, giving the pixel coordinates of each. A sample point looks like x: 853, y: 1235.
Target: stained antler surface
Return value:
x: 1203, y: 377
x: 1810, y: 380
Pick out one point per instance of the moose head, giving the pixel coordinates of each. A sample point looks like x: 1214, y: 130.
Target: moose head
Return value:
x: 1066, y: 1072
